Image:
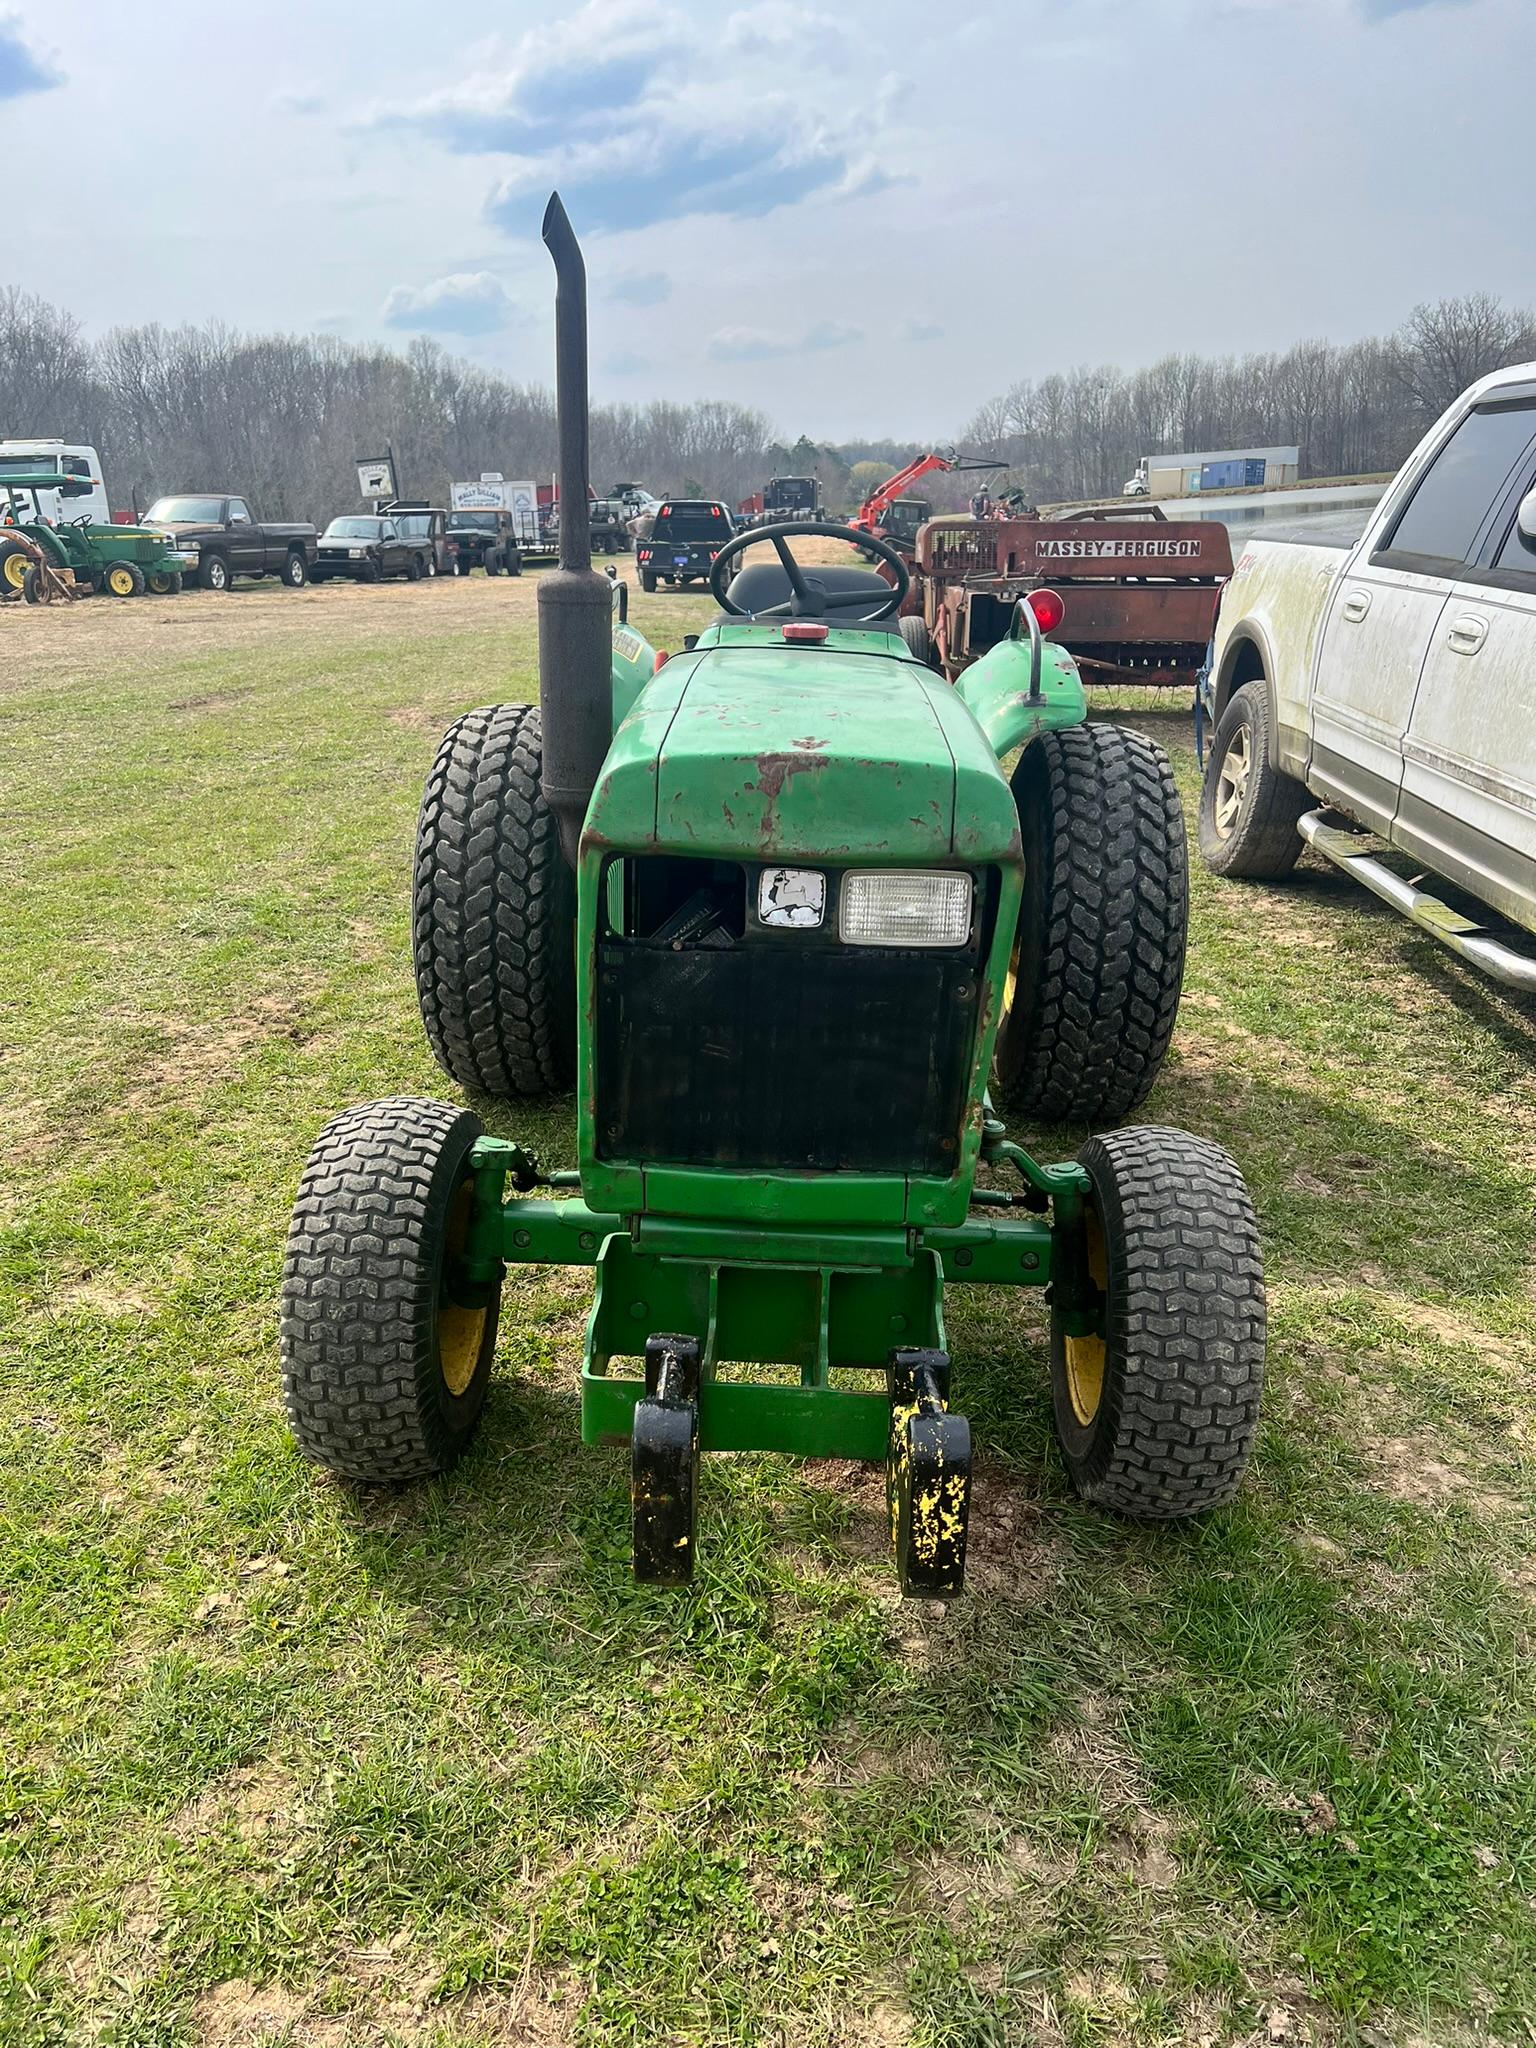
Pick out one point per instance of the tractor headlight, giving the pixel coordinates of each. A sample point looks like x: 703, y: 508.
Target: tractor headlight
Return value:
x: 900, y: 907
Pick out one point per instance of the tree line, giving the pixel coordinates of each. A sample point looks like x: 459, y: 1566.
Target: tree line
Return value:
x: 1354, y: 410
x: 283, y: 418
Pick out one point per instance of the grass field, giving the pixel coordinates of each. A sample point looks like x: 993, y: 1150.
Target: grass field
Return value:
x: 286, y: 1764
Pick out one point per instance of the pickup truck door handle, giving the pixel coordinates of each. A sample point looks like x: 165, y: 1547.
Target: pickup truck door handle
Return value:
x: 1356, y: 604
x: 1467, y: 633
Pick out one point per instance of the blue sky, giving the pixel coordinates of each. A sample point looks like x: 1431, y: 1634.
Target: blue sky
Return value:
x: 865, y: 219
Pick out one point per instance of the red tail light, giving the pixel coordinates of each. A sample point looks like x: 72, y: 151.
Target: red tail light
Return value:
x: 1048, y: 609
x: 662, y: 658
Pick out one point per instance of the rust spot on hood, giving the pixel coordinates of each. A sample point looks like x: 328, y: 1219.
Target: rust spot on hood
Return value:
x: 774, y: 770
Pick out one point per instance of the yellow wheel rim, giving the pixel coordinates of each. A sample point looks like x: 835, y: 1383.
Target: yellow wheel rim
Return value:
x: 14, y: 568
x: 460, y: 1331
x: 119, y: 582
x: 1085, y: 1355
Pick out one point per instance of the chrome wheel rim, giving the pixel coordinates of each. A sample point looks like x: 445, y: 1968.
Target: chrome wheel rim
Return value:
x: 1232, y: 783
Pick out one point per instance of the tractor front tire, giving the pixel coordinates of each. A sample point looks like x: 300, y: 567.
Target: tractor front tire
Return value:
x: 1248, y: 809
x: 386, y: 1353
x: 494, y: 911
x: 1157, y: 1408
x: 1099, y: 955
x: 123, y: 579
x: 32, y: 585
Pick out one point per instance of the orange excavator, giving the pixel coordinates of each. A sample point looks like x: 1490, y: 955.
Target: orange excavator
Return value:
x: 891, y: 511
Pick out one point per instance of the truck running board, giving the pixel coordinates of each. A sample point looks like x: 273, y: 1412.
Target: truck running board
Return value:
x: 1341, y: 844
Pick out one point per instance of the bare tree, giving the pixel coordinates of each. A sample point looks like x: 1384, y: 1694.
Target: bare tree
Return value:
x: 1442, y: 348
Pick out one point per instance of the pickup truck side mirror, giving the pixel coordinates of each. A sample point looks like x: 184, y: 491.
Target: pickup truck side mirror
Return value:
x: 1525, y: 520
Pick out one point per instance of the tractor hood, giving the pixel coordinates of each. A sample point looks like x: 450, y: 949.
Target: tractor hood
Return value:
x: 769, y: 752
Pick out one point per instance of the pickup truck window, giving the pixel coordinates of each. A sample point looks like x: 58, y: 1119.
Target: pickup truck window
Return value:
x: 239, y: 512
x: 188, y: 511
x: 1454, y: 496
x: 1517, y: 554
x: 353, y: 529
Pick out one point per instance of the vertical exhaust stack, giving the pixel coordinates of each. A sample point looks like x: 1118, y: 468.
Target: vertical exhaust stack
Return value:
x: 575, y: 648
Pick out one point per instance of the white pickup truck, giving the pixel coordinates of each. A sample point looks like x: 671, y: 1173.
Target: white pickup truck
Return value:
x: 1379, y: 698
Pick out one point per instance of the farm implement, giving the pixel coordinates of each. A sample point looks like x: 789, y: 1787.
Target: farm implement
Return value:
x: 775, y: 910
x: 1136, y: 592
x: 42, y: 561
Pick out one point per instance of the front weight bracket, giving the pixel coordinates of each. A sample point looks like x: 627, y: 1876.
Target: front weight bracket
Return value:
x: 664, y: 1462
x: 927, y: 1477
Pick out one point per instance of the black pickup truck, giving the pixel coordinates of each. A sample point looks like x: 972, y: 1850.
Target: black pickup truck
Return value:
x: 228, y: 542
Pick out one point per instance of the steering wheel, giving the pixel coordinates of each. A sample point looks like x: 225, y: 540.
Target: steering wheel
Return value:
x: 809, y: 600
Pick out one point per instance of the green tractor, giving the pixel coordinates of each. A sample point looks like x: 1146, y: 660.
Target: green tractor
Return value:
x: 78, y: 555
x: 778, y: 912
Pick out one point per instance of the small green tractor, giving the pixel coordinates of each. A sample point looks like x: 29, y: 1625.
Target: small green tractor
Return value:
x: 775, y: 909
x: 40, y: 560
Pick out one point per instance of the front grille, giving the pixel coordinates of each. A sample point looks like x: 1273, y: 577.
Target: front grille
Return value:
x: 782, y: 1050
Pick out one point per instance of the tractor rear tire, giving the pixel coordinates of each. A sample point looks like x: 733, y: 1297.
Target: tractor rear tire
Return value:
x: 1156, y: 1411
x: 14, y: 563
x: 1099, y: 956
x: 384, y: 1369
x: 494, y: 911
x: 1248, y: 809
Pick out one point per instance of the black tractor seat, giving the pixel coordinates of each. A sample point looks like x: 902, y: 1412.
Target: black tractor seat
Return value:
x: 763, y: 584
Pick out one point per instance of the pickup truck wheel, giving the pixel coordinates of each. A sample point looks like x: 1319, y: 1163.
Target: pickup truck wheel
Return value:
x: 1248, y: 809
x: 369, y: 573
x: 295, y: 571
x: 647, y: 579
x: 213, y: 572
x: 413, y: 569
x: 494, y: 911
x: 1156, y: 1405
x: 1098, y: 958
x: 492, y: 565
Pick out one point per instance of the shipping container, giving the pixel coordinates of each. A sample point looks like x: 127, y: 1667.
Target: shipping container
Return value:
x: 1227, y: 475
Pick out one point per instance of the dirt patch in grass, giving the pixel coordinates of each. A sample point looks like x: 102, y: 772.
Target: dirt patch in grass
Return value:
x: 204, y: 1051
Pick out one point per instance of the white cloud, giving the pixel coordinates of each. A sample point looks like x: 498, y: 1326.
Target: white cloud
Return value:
x: 468, y: 302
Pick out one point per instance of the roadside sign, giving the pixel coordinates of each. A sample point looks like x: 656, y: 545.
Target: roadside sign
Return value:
x: 489, y: 495
x: 376, y: 477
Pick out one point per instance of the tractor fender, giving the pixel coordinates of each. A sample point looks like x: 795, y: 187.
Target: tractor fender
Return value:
x: 634, y: 663
x: 995, y: 690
